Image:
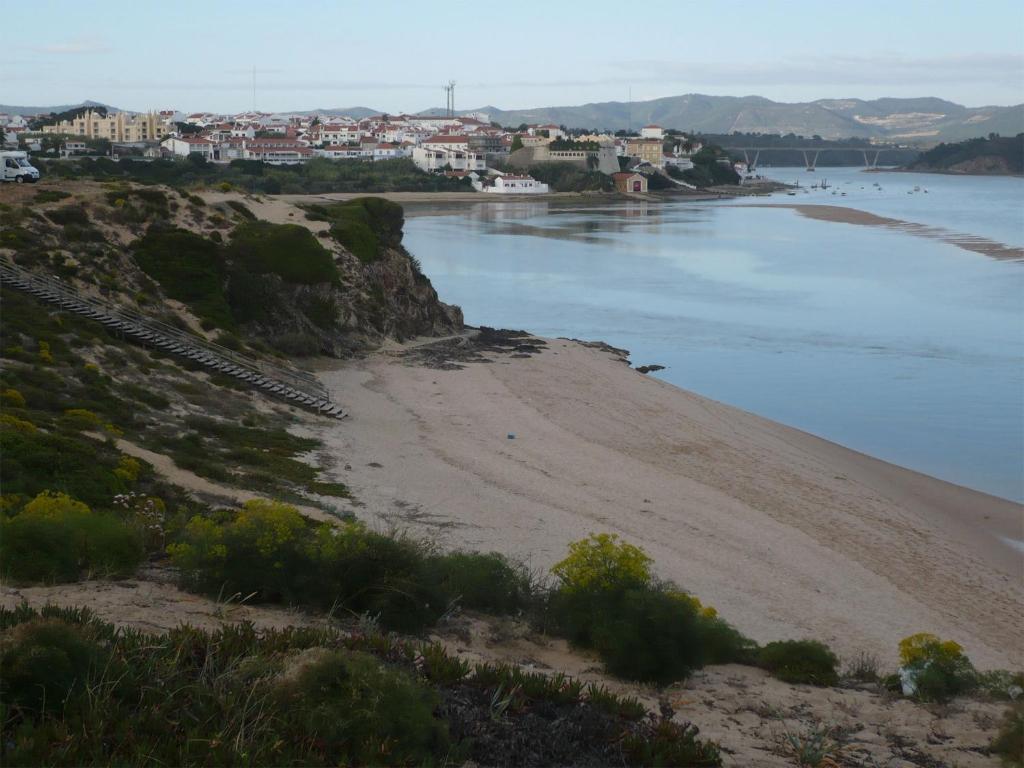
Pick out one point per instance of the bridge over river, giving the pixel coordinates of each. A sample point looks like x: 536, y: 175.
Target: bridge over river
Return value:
x: 811, y: 154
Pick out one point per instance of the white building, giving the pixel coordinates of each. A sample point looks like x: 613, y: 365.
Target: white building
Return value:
x: 279, y: 154
x: 69, y: 148
x: 183, y: 146
x: 652, y: 132
x: 510, y: 184
x: 335, y: 133
x: 388, y: 151
x: 443, y: 158
x: 680, y: 162
x: 447, y: 141
x: 552, y: 130
x: 344, y: 152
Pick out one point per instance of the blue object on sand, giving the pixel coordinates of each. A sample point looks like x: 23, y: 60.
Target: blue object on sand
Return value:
x: 511, y: 435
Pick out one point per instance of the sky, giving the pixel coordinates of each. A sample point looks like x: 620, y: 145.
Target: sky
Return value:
x: 197, y: 55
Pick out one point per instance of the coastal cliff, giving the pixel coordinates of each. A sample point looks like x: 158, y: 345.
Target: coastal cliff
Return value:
x: 294, y: 286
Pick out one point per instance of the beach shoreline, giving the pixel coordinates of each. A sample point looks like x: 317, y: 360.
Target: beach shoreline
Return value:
x: 844, y: 215
x: 787, y: 534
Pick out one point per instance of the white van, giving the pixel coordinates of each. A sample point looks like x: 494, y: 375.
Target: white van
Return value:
x: 14, y: 166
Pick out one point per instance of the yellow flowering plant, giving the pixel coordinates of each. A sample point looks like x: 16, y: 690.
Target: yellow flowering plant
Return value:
x: 924, y: 648
x: 603, y: 562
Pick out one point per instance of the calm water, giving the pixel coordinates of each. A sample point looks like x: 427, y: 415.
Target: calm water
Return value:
x: 905, y: 348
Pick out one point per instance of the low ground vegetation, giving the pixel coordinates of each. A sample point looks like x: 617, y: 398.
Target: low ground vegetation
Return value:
x: 365, y: 226
x: 77, y: 691
x: 272, y: 552
x: 315, y: 177
x: 71, y: 388
x: 569, y: 177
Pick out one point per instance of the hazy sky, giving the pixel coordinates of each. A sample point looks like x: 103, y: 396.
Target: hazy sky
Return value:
x: 199, y: 55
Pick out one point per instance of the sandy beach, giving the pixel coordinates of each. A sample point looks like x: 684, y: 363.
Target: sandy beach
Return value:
x: 844, y: 215
x: 788, y: 535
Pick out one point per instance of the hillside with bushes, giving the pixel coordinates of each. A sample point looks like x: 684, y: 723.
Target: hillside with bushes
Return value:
x: 318, y: 176
x: 126, y: 464
x: 280, y: 286
x: 994, y: 155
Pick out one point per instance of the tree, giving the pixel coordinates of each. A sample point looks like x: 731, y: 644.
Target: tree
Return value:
x: 517, y: 143
x: 187, y: 129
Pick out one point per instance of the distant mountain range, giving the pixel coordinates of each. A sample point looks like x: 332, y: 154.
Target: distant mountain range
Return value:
x: 921, y: 120
x: 917, y: 121
x: 12, y: 110
x: 354, y: 112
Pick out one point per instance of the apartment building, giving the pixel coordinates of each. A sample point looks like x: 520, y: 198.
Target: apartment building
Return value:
x: 647, y: 150
x: 121, y: 127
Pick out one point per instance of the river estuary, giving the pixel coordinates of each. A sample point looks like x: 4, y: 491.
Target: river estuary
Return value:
x: 903, y: 346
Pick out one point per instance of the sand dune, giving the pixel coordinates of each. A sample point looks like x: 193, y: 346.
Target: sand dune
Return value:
x: 786, y: 534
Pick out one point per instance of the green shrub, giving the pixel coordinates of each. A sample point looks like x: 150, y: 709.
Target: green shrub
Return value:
x: 51, y: 196
x: 288, y: 250
x: 483, y: 582
x: 569, y: 177
x: 602, y: 562
x: 252, y: 297
x: 640, y: 634
x: 367, y: 225
x: 45, y: 663
x: 1000, y: 683
x: 55, y: 538
x: 607, y: 600
x: 938, y: 669
x: 369, y: 573
x: 81, y: 419
x: 270, y: 550
x: 189, y: 268
x: 800, y: 661
x: 261, y: 550
x: 32, y: 462
x: 241, y: 208
x: 1009, y: 742
x: 669, y: 744
x: 362, y: 712
x: 12, y: 398
x: 69, y: 214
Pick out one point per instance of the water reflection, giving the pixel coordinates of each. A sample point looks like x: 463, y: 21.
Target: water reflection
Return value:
x: 902, y: 347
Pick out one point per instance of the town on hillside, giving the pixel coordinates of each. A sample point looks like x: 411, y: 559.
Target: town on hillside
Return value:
x: 494, y: 158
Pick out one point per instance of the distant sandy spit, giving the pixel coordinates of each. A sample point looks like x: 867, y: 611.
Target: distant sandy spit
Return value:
x: 846, y: 215
x: 788, y: 535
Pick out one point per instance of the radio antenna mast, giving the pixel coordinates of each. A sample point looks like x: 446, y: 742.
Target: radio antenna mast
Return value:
x: 450, y: 103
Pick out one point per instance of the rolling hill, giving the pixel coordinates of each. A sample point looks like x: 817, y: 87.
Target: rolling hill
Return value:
x: 921, y: 120
x: 14, y: 110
